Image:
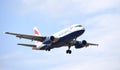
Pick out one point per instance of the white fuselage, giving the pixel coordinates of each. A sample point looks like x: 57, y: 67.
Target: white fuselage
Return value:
x: 64, y: 37
x: 68, y: 30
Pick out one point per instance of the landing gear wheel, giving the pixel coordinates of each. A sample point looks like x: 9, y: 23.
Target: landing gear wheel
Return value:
x: 68, y: 51
x: 48, y: 49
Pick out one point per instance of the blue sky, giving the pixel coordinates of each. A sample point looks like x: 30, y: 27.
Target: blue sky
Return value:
x: 100, y: 18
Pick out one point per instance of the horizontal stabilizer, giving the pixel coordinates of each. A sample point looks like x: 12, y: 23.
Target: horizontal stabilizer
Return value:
x: 29, y: 45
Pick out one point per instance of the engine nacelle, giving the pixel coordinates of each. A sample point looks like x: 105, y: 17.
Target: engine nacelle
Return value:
x: 52, y: 38
x: 80, y: 44
x: 84, y: 42
x: 49, y: 40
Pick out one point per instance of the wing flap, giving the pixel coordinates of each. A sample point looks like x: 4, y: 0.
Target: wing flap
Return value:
x: 30, y: 37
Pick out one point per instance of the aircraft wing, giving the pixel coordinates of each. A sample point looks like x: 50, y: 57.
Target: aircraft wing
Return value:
x: 92, y: 44
x: 30, y: 37
x: 29, y: 45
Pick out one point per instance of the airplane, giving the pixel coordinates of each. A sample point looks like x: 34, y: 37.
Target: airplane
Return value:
x: 66, y: 37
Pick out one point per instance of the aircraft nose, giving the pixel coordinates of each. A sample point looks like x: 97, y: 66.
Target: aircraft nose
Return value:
x: 83, y: 29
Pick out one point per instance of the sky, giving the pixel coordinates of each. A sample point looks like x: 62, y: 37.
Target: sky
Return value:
x: 100, y: 18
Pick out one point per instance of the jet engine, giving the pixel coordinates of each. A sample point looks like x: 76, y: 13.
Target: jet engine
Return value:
x: 52, y: 38
x: 84, y: 42
x: 80, y: 44
x: 49, y: 40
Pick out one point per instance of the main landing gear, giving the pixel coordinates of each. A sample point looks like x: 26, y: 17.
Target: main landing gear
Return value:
x: 68, y: 51
x: 48, y: 49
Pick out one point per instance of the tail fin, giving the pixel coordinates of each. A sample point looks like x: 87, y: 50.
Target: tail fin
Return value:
x: 36, y: 33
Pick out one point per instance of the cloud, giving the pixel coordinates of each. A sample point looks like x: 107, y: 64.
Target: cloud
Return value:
x: 15, y: 54
x: 101, y: 20
x: 93, y: 64
x: 67, y: 8
x: 107, y: 23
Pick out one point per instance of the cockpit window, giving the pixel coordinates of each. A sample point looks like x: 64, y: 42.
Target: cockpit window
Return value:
x: 78, y: 26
